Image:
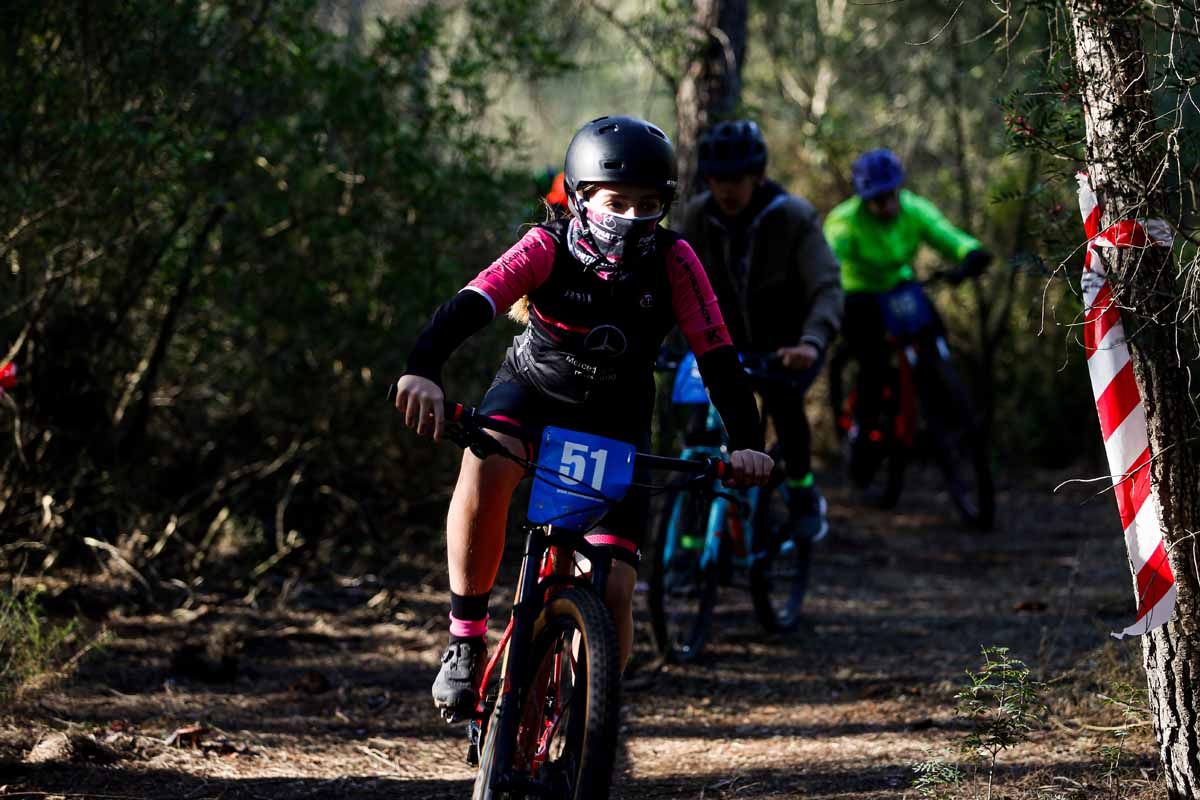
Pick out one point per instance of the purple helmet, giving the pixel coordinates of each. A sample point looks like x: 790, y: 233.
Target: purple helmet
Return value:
x: 876, y: 172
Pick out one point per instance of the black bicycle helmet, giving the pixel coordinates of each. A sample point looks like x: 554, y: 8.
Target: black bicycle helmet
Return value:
x: 733, y: 148
x: 621, y: 150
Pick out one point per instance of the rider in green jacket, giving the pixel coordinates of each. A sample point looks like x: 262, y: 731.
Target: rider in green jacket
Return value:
x: 875, y: 236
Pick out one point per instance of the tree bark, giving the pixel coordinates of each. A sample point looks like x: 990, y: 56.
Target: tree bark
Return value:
x: 711, y: 86
x: 1122, y: 162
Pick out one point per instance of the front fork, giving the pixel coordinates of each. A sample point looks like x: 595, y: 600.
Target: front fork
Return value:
x: 513, y: 674
x: 516, y: 673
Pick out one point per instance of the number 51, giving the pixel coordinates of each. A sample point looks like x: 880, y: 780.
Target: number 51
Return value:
x: 574, y: 463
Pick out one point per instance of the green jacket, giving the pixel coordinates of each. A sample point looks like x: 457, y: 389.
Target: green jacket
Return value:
x: 876, y: 255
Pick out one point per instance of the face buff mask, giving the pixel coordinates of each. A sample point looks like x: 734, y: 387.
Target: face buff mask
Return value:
x: 609, y: 242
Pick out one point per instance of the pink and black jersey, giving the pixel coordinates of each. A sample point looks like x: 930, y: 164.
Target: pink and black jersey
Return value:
x: 593, y: 338
x: 588, y: 333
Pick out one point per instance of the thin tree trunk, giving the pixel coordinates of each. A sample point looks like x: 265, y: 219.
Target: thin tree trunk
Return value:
x: 1122, y: 160
x: 985, y: 389
x: 133, y: 412
x: 711, y: 86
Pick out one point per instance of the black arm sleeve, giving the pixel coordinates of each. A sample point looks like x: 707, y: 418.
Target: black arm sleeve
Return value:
x: 730, y: 393
x: 459, y: 317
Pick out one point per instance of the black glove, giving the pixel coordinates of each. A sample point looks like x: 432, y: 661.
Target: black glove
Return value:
x: 975, y: 263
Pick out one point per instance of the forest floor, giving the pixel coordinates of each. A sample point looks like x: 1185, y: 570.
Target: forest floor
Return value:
x: 324, y: 690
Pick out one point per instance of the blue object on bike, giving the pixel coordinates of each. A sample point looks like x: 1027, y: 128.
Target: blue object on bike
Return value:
x: 689, y: 386
x: 906, y: 310
x: 579, y: 477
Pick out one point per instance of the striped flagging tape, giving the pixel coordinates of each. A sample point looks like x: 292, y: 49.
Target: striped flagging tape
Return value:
x: 1122, y: 415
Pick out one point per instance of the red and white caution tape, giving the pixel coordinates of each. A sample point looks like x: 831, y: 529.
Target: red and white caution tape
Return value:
x: 1122, y: 415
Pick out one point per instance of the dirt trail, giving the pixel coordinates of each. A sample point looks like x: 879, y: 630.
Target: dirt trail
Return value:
x: 330, y: 694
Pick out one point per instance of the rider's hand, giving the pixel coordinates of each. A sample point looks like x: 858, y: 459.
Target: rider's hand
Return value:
x: 423, y: 404
x: 973, y: 265
x: 750, y: 468
x: 802, y: 356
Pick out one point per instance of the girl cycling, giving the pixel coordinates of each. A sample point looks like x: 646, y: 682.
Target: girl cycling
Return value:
x: 602, y: 287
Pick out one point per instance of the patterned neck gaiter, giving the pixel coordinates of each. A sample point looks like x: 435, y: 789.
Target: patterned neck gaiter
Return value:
x: 608, y: 243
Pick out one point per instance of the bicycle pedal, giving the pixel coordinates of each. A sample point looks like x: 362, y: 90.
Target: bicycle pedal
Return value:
x: 474, y: 734
x: 451, y: 716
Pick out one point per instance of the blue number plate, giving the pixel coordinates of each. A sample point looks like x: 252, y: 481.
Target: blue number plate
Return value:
x: 579, y: 477
x: 906, y: 310
x: 689, y: 386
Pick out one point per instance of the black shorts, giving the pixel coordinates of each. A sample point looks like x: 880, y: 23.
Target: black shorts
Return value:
x: 626, y: 419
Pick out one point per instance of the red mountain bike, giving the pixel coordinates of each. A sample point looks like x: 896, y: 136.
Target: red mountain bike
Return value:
x: 926, y: 411
x: 547, y: 722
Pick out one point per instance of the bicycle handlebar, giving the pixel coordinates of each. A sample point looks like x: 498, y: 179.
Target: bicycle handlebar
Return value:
x: 473, y: 423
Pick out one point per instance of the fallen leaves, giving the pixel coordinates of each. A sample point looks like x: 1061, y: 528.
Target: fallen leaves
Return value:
x: 208, y: 741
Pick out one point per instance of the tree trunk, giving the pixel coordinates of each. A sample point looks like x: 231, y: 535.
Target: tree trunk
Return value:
x: 1122, y: 161
x: 711, y: 86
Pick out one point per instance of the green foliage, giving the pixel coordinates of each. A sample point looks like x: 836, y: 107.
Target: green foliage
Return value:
x: 936, y: 779
x: 227, y: 226
x: 1001, y: 703
x: 944, y: 85
x: 1000, y: 706
x: 1131, y: 701
x: 30, y: 647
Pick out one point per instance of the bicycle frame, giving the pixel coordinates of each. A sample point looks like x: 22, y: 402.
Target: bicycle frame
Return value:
x: 548, y: 553
x: 908, y: 348
x: 548, y: 563
x: 909, y: 351
x: 720, y: 510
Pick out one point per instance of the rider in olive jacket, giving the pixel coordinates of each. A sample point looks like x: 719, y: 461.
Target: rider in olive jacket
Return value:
x: 777, y: 282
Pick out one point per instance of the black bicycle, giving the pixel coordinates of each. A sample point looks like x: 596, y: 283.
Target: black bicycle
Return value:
x: 925, y: 411
x: 546, y: 727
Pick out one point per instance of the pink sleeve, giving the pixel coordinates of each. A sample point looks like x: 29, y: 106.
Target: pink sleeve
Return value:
x: 695, y: 304
x: 518, y: 272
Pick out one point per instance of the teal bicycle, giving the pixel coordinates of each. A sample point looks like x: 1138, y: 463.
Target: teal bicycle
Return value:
x: 715, y: 537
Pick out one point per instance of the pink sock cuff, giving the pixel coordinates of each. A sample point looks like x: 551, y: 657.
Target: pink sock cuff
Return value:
x: 607, y: 539
x: 467, y: 628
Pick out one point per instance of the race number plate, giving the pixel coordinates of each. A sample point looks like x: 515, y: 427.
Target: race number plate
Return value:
x: 689, y: 386
x: 906, y: 310
x: 578, y: 479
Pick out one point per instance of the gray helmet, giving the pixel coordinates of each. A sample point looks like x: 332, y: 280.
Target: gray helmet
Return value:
x: 621, y: 150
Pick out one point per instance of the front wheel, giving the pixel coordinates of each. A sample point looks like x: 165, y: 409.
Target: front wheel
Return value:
x: 683, y: 585
x: 779, y: 575
x: 958, y: 447
x: 568, y: 716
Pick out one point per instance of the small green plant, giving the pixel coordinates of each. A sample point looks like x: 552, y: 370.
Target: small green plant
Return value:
x: 30, y: 647
x: 936, y: 779
x: 1134, y: 712
x: 1001, y: 704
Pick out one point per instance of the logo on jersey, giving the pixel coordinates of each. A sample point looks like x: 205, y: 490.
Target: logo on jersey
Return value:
x: 606, y: 340
x: 607, y: 221
x: 577, y: 296
x: 647, y: 300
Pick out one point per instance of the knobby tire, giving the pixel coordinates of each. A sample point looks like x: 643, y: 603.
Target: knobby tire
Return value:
x: 583, y: 771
